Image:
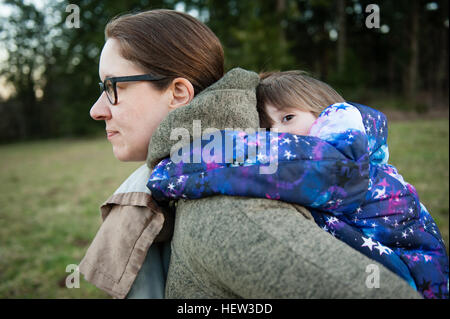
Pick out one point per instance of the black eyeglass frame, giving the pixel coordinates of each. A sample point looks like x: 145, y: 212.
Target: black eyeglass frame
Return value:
x: 130, y: 78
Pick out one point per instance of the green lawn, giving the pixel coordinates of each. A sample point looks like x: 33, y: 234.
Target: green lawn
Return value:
x: 50, y: 192
x: 420, y: 151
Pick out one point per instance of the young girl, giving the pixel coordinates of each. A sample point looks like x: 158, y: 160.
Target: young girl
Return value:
x: 332, y: 159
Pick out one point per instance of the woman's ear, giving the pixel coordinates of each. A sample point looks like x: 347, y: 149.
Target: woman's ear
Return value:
x: 182, y: 93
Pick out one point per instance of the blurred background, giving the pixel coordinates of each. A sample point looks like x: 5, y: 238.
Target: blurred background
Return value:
x: 56, y: 167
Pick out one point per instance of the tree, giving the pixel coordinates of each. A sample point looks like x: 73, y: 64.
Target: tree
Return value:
x: 342, y: 39
x: 411, y: 82
x: 53, y: 68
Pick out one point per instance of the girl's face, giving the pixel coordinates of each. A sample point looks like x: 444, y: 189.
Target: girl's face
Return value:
x: 139, y: 110
x: 291, y: 120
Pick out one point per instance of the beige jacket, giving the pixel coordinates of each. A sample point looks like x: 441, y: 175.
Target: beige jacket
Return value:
x: 131, y: 223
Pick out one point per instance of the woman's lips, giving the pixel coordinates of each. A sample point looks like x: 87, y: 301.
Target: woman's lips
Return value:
x: 111, y: 134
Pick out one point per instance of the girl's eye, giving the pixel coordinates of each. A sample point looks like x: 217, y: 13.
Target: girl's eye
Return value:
x: 287, y: 118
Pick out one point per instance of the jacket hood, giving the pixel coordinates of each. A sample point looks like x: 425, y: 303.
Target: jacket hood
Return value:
x: 339, y: 118
x: 376, y: 129
x: 229, y: 103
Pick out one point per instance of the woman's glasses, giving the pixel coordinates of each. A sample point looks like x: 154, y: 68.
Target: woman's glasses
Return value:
x: 109, y: 84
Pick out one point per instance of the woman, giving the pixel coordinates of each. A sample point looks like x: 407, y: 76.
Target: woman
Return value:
x: 222, y: 247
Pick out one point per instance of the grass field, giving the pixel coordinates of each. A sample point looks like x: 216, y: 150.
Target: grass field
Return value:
x: 50, y: 192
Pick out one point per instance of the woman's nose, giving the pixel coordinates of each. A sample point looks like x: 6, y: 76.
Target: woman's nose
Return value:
x: 100, y: 110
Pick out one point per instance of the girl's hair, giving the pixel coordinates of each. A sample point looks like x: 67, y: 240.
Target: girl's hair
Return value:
x: 292, y: 89
x: 169, y: 43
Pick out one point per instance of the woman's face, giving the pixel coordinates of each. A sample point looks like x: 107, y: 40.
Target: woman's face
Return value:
x: 139, y: 110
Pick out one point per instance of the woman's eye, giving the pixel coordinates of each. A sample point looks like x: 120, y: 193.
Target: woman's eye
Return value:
x: 287, y: 118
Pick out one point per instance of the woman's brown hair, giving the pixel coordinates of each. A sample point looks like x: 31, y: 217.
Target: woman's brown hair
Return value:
x: 293, y: 89
x: 169, y: 43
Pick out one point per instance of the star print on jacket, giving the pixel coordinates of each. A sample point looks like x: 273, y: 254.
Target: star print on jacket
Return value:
x: 340, y: 172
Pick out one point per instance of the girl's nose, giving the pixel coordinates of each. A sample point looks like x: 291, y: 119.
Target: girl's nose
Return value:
x: 100, y: 110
